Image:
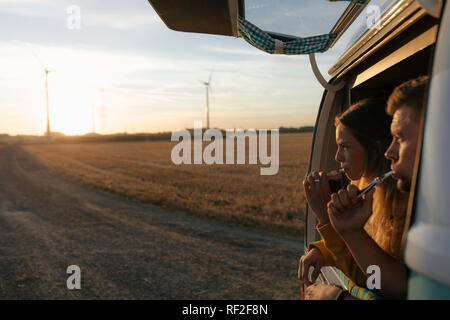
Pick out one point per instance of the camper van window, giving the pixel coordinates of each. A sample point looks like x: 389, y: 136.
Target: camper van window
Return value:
x: 299, y: 18
x: 373, y: 12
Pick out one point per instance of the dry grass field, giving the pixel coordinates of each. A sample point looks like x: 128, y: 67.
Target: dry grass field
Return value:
x: 230, y: 193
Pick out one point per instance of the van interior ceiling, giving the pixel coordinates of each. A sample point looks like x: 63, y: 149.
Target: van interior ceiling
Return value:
x: 413, y: 62
x: 384, y: 83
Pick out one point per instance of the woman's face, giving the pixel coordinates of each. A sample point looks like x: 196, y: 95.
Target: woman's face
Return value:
x: 350, y: 153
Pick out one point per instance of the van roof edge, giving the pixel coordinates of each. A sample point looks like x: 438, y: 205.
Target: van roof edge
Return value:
x: 392, y: 19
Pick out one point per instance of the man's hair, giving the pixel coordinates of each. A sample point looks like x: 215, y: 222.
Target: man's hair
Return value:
x: 411, y: 93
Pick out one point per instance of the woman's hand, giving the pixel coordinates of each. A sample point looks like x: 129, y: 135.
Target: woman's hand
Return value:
x: 313, y: 258
x: 347, y: 212
x: 320, y: 291
x: 317, y: 190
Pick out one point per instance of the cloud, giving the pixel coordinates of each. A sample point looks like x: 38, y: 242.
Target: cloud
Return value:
x: 26, y: 2
x: 249, y: 52
x: 32, y: 8
x: 102, y: 17
x: 125, y: 20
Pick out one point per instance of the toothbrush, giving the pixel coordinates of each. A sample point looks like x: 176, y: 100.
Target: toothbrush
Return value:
x: 334, y: 173
x: 376, y: 181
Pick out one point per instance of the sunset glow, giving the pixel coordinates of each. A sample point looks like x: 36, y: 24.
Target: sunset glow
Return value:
x: 150, y: 77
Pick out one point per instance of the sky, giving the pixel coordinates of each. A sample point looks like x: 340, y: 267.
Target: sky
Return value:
x: 123, y: 70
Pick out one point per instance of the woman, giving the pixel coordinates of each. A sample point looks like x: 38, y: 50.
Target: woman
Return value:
x: 362, y: 136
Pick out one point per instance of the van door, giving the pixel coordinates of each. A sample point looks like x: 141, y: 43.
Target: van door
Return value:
x: 426, y: 251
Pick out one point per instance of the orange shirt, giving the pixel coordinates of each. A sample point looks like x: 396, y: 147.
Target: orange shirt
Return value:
x: 336, y: 254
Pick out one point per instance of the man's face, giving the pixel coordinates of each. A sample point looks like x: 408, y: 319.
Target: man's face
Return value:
x: 402, y: 151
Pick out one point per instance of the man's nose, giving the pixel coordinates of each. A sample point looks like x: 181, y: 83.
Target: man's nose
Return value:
x: 390, y: 153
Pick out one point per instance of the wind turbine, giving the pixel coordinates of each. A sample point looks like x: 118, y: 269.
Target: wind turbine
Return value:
x: 46, y: 96
x: 102, y: 110
x: 208, y: 88
x: 48, y: 133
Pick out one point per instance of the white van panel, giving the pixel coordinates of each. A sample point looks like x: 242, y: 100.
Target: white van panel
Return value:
x: 427, y: 251
x: 427, y: 246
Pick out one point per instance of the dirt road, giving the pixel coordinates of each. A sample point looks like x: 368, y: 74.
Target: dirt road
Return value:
x: 125, y: 250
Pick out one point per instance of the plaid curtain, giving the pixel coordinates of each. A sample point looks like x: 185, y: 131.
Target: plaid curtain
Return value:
x: 263, y: 41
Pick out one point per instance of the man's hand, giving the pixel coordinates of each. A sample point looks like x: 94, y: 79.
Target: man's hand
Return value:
x: 313, y: 258
x: 347, y: 212
x: 348, y: 215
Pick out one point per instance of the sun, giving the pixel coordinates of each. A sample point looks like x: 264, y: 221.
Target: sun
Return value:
x: 71, y: 105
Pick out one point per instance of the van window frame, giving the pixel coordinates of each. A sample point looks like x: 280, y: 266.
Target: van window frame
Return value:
x: 355, y: 78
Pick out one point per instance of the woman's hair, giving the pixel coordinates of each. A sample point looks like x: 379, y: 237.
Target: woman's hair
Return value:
x: 369, y: 124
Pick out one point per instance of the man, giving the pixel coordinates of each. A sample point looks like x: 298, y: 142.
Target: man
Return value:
x: 348, y: 213
x: 405, y: 105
